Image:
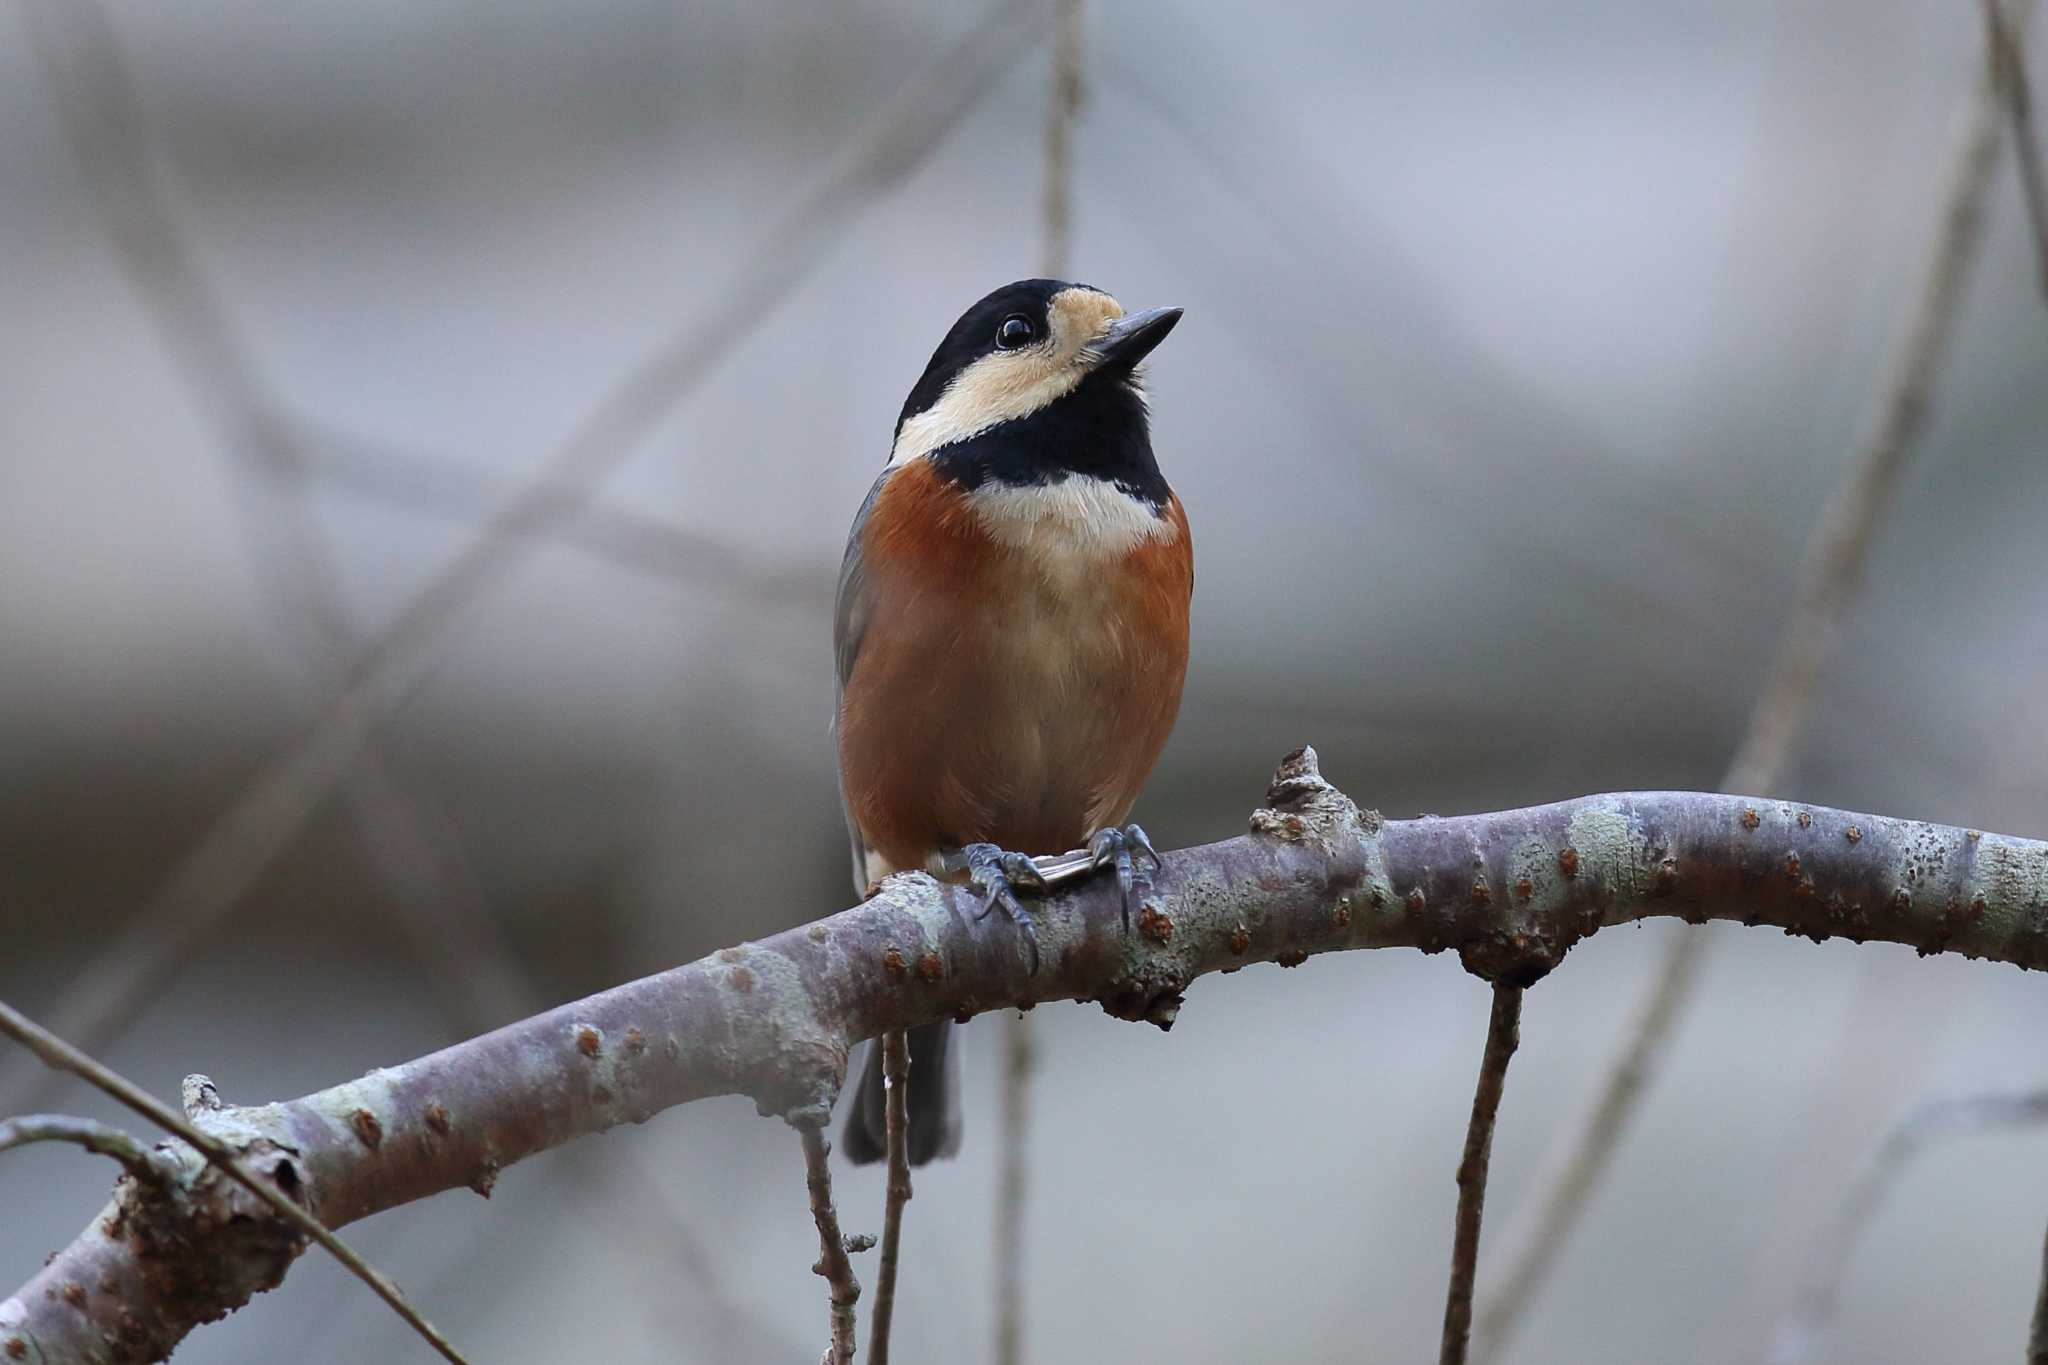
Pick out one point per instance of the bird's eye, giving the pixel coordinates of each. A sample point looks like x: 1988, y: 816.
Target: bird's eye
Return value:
x: 1015, y: 331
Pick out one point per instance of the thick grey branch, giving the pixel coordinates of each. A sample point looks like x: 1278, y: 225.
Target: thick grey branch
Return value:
x: 1510, y: 892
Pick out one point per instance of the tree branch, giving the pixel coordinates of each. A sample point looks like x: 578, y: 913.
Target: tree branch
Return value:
x: 180, y: 1198
x: 1510, y: 892
x: 1503, y: 1036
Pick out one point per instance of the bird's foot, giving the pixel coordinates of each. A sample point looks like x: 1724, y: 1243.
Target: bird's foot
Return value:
x: 999, y: 874
x: 1113, y: 847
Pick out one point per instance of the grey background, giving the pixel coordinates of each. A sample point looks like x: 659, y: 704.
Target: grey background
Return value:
x: 1522, y: 345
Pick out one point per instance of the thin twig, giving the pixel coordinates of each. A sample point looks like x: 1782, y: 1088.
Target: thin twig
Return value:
x: 896, y: 1085
x: 60, y: 1055
x: 1798, y: 1335
x: 2009, y: 70
x: 1503, y: 1035
x: 1020, y: 1059
x: 96, y: 1137
x: 1832, y: 579
x: 833, y: 1262
x: 1019, y: 1054
x: 279, y: 800
x: 2037, y: 1335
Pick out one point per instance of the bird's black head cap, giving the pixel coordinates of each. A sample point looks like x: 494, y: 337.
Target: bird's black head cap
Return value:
x: 1035, y: 382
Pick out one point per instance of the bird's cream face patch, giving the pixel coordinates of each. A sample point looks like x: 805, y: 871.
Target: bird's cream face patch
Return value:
x: 1006, y: 385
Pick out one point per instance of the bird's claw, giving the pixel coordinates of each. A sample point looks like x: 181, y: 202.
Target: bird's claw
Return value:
x: 999, y: 875
x: 1113, y: 847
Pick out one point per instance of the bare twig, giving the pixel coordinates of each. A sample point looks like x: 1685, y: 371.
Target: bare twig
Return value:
x: 774, y: 1019
x: 278, y: 801
x: 1536, y: 1233
x: 96, y: 1137
x: 1833, y: 576
x: 1503, y: 1035
x: 1019, y: 1053
x: 1020, y: 1059
x: 2037, y: 1334
x: 1798, y: 1335
x: 60, y: 1055
x: 895, y: 1080
x: 833, y: 1262
x: 2009, y: 73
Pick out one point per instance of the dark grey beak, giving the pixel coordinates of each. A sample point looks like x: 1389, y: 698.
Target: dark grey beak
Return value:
x: 1131, y: 337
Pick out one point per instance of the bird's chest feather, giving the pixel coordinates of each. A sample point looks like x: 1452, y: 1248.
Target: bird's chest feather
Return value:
x: 1034, y: 638
x: 1063, y: 585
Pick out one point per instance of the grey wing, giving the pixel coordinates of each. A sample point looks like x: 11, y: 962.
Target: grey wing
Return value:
x: 849, y: 621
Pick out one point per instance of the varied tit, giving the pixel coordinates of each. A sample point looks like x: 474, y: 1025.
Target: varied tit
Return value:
x: 1012, y: 629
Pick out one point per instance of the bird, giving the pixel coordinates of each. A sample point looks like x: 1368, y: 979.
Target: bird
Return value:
x: 1011, y: 632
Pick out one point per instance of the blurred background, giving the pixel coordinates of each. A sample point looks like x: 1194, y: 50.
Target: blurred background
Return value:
x: 1523, y: 345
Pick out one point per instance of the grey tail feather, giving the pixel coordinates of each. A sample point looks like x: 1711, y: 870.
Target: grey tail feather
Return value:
x: 933, y: 1101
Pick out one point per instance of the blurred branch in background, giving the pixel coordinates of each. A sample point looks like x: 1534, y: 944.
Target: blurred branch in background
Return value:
x: 1834, y: 574
x: 432, y: 898
x: 1554, y: 460
x: 100, y: 109
x: 607, y: 530
x: 278, y: 801
x: 1801, y: 1332
x: 2009, y: 70
x: 1056, y: 227
x: 774, y: 1019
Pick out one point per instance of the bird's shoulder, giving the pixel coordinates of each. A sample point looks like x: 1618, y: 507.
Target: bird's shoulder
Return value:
x: 912, y: 523
x: 915, y: 514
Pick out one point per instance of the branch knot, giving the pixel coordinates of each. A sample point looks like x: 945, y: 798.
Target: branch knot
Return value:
x: 1302, y: 807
